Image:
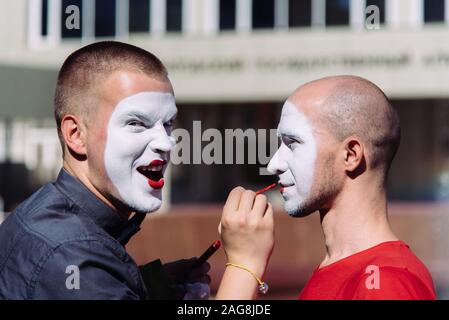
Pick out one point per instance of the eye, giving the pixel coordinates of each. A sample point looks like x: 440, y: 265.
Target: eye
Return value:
x: 290, y: 142
x: 169, y: 123
x: 136, y: 123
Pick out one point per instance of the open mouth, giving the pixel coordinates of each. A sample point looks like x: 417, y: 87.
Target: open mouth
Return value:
x: 153, y: 172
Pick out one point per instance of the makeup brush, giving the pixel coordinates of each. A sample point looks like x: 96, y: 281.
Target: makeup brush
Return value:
x: 271, y: 186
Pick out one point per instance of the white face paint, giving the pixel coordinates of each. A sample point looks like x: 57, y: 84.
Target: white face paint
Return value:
x: 295, y: 159
x: 139, y: 137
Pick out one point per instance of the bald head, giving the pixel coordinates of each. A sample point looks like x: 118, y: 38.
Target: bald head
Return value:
x: 352, y: 106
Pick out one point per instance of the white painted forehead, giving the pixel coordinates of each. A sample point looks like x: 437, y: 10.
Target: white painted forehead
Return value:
x: 292, y: 120
x: 159, y: 102
x: 289, y: 108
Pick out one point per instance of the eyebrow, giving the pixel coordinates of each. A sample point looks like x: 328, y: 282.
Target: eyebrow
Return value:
x: 138, y: 115
x: 143, y: 116
x: 287, y: 132
x: 294, y: 136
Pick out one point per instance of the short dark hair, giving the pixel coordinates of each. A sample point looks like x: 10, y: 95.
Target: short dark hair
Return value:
x: 87, y: 66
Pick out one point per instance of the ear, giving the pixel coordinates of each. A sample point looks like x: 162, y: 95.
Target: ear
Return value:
x: 353, y: 153
x: 72, y: 131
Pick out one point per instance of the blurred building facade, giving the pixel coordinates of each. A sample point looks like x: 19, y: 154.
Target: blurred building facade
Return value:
x: 232, y: 64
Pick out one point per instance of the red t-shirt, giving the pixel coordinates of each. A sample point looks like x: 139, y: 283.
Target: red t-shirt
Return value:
x: 388, y: 271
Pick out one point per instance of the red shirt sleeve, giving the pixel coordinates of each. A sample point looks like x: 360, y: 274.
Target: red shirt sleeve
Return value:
x: 394, y: 284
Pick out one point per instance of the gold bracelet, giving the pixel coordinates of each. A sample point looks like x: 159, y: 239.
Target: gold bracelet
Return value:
x: 263, y: 286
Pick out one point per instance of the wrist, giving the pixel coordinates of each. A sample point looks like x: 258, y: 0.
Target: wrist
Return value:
x: 257, y: 267
x: 262, y: 286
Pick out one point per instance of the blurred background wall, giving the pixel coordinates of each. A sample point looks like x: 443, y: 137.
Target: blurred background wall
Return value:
x: 233, y: 63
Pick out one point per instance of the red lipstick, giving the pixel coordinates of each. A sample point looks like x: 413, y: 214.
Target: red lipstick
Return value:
x: 206, y: 255
x: 155, y: 178
x: 156, y: 184
x: 158, y: 162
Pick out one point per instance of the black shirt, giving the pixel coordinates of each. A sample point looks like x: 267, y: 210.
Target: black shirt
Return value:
x: 62, y: 243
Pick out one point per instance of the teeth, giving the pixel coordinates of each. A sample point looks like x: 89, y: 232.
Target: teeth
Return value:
x: 153, y: 168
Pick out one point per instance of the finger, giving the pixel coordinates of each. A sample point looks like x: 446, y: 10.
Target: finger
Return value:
x: 206, y: 279
x: 269, y: 215
x: 182, y: 268
x: 233, y: 201
x: 200, y: 271
x: 187, y: 263
x: 260, y: 206
x: 247, y: 201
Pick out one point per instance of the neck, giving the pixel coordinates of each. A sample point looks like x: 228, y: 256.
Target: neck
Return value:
x: 357, y: 220
x: 76, y: 172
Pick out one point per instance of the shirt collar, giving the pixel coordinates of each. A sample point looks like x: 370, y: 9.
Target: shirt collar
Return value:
x: 102, y: 215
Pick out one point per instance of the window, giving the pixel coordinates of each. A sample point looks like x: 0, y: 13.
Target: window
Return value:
x: 44, y: 18
x: 227, y: 14
x: 337, y: 12
x: 263, y: 14
x: 65, y: 31
x: 174, y: 15
x: 434, y: 10
x: 139, y: 15
x: 105, y: 18
x: 299, y: 13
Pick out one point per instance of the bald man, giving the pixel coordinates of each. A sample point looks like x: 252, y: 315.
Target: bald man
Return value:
x: 339, y: 136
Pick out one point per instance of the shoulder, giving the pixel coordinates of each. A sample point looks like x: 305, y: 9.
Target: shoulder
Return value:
x: 391, y: 283
x: 47, y: 221
x: 398, y: 256
x: 45, y: 235
x: 54, y: 219
x: 390, y: 271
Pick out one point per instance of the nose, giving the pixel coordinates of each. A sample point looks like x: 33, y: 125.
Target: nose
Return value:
x: 162, y: 142
x: 277, y: 165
